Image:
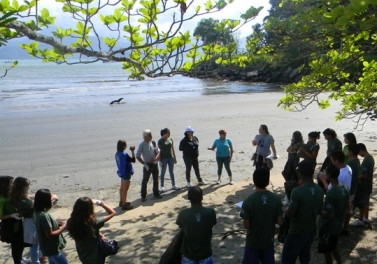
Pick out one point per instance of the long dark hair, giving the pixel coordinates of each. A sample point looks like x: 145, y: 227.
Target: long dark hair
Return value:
x: 331, y: 132
x: 42, y: 200
x: 5, y: 186
x: 297, y: 137
x: 19, y: 190
x: 121, y: 145
x: 351, y: 138
x: 265, y: 129
x: 315, y: 135
x: 80, y: 225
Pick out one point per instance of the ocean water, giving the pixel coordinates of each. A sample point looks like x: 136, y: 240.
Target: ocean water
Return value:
x: 37, y: 86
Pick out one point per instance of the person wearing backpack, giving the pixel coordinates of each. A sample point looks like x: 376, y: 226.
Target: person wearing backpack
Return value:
x: 11, y: 224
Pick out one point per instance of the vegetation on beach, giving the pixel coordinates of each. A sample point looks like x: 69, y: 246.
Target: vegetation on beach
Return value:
x: 316, y: 46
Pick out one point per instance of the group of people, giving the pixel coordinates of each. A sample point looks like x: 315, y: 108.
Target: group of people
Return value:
x: 26, y: 222
x: 149, y: 153
x: 322, y: 207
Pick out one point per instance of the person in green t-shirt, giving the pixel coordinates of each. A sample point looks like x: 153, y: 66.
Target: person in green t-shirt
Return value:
x: 333, y: 144
x: 25, y: 207
x: 309, y: 151
x: 306, y: 204
x: 332, y: 216
x: 349, y: 139
x: 167, y: 158
x: 83, y: 226
x: 354, y: 163
x: 364, y: 188
x: 197, y: 223
x: 260, y: 212
x: 49, y: 231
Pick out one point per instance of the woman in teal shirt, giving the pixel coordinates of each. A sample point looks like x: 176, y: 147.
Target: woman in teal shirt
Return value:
x: 224, y: 154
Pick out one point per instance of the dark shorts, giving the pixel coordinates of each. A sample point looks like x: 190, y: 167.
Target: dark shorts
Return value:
x: 126, y: 178
x: 362, y: 200
x: 327, y: 243
x: 263, y: 256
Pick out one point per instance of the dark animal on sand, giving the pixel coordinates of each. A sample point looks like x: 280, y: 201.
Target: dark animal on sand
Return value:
x: 116, y: 101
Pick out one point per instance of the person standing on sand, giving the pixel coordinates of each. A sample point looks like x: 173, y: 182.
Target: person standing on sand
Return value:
x: 310, y: 150
x: 50, y: 236
x: 196, y: 223
x: 289, y: 173
x: 332, y: 216
x: 25, y: 206
x: 224, y: 154
x: 365, y: 186
x: 148, y: 154
x: 12, y: 220
x: 83, y: 226
x: 333, y: 144
x: 349, y: 140
x: 167, y: 158
x: 189, y: 145
x: 260, y: 212
x: 125, y: 171
x: 305, y: 205
x: 264, y: 141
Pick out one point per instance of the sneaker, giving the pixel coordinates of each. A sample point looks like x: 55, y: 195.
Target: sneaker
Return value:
x: 357, y: 223
x: 143, y: 199
x: 202, y: 183
x: 25, y: 261
x: 162, y: 189
x: 127, y: 207
x: 158, y: 197
x: 366, y: 221
x: 231, y: 183
x: 188, y: 184
x: 176, y: 188
x: 218, y: 182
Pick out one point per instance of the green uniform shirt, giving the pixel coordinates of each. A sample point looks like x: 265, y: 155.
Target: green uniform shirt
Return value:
x: 262, y: 210
x: 165, y: 146
x: 196, y: 224
x: 335, y: 206
x: 25, y: 207
x: 49, y: 247
x: 355, y: 167
x: 367, y: 168
x: 306, y: 204
x: 311, y: 147
x: 334, y: 145
x: 6, y: 208
x: 88, y: 249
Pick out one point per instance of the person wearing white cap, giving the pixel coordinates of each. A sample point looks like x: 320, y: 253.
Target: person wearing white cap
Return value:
x: 189, y: 145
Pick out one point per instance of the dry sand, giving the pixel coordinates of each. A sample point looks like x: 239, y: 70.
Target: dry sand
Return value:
x: 72, y: 154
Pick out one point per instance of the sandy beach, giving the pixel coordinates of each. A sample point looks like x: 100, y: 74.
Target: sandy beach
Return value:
x: 72, y: 153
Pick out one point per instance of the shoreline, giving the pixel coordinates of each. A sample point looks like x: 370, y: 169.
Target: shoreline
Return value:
x: 72, y: 154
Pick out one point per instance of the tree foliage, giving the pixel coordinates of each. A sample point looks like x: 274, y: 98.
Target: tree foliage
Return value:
x: 133, y: 32
x: 334, y: 45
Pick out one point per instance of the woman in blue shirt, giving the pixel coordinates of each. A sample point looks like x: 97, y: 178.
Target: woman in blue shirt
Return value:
x: 224, y: 153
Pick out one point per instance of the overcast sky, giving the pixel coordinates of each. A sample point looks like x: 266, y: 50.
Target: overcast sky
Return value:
x: 233, y: 11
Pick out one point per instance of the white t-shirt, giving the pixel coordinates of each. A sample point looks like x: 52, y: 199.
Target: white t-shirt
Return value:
x: 345, y: 177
